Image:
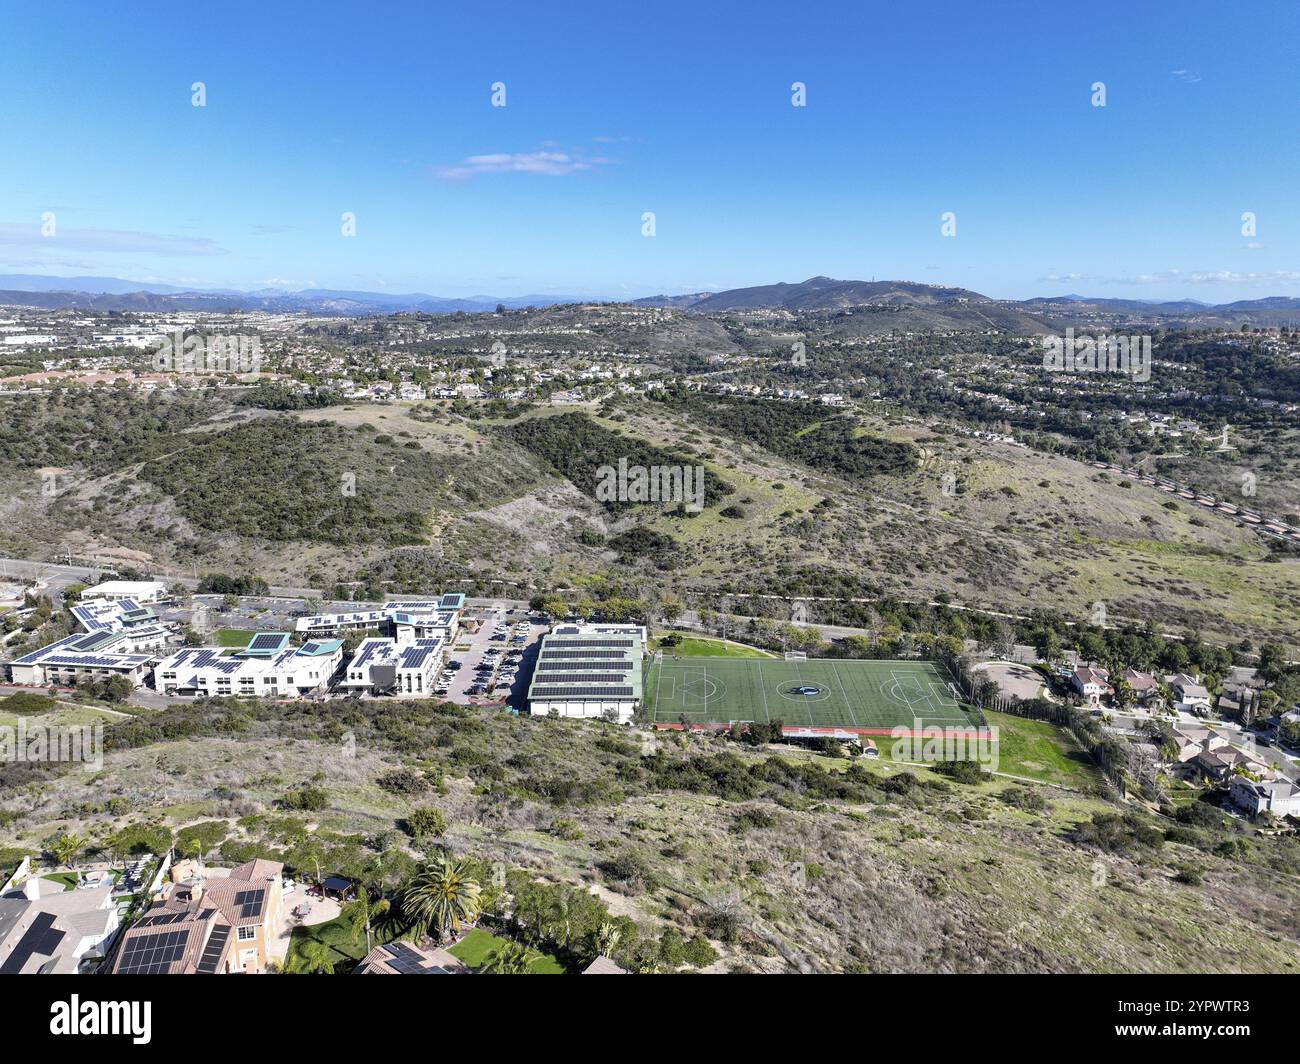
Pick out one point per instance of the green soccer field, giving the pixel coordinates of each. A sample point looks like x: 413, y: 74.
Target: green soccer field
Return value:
x: 822, y: 692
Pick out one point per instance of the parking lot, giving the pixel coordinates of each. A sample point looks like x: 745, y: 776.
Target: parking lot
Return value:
x: 498, y: 663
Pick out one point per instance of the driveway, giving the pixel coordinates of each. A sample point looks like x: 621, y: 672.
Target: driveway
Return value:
x: 1013, y: 679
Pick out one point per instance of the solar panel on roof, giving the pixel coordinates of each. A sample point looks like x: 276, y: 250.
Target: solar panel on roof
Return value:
x: 266, y: 639
x: 405, y: 960
x: 250, y: 903
x: 558, y: 652
x: 152, y: 954
x: 97, y: 661
x: 581, y: 692
x: 212, y: 951
x: 36, y: 655
x: 585, y: 677
x: 41, y: 939
x: 601, y: 665
x: 568, y: 643
x: 160, y: 918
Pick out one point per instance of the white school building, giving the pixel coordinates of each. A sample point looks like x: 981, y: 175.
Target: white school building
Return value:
x: 385, y: 666
x: 268, y: 667
x: 405, y: 620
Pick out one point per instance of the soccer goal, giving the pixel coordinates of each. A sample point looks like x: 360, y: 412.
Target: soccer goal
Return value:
x: 795, y: 655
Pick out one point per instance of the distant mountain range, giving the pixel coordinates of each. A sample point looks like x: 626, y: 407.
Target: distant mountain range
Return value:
x: 929, y: 306
x: 114, y: 293
x: 872, y: 304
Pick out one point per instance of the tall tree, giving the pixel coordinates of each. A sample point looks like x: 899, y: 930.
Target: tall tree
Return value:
x: 442, y: 896
x: 511, y: 959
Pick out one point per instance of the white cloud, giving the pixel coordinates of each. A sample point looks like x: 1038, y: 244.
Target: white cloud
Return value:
x: 17, y: 234
x: 1189, y: 76
x: 1212, y: 277
x: 548, y: 163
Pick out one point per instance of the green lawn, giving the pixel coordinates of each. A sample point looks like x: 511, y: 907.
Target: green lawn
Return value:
x: 234, y: 637
x: 1041, y: 751
x: 474, y: 948
x: 875, y: 696
x: 346, y: 950
x: 68, y: 879
x: 345, y: 947
x: 697, y: 646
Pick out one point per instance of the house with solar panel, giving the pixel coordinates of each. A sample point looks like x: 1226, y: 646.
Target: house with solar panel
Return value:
x: 385, y: 666
x: 267, y: 668
x: 46, y: 929
x: 405, y: 620
x: 589, y: 670
x: 213, y: 926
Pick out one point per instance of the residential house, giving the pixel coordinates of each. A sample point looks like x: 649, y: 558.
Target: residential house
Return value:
x: 603, y: 966
x: 1145, y: 686
x: 1224, y: 762
x: 212, y: 926
x: 1189, y: 695
x: 1092, y: 683
x: 1238, y: 700
x: 48, y: 930
x: 1190, y: 743
x: 1279, y: 797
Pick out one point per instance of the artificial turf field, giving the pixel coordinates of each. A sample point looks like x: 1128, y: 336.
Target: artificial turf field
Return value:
x: 869, y: 695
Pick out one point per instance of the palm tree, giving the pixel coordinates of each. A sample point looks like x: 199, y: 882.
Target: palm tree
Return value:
x: 442, y: 896
x: 315, y: 955
x: 561, y: 923
x: 65, y: 848
x: 363, y: 913
x: 511, y: 959
x: 606, y: 938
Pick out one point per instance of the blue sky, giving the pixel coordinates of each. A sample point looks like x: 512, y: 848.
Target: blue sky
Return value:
x: 612, y: 110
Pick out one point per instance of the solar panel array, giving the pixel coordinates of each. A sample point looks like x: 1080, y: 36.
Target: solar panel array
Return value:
x: 212, y: 952
x: 41, y: 939
x: 369, y: 649
x: 160, y: 918
x: 552, y: 654
x: 268, y: 641
x: 36, y: 655
x: 584, y: 677
x: 415, y: 657
x: 586, y: 644
x: 97, y: 661
x: 581, y: 692
x: 250, y: 902
x: 546, y: 665
x: 152, y: 954
x: 406, y: 961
